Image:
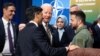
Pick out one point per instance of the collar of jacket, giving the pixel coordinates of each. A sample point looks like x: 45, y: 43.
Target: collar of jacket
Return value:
x: 81, y: 28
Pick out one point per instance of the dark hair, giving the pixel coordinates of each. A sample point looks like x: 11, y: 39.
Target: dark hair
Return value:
x: 79, y: 14
x: 6, y: 5
x: 31, y: 11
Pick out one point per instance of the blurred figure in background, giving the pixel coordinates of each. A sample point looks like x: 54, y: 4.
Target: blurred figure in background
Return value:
x: 96, y: 32
x: 74, y: 8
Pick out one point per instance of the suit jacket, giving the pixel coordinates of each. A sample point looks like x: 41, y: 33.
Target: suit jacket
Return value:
x: 32, y: 42
x: 67, y: 37
x: 96, y: 34
x: 3, y: 35
x: 53, y: 32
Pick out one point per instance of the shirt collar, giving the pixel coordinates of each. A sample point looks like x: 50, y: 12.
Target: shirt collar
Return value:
x: 4, y: 21
x: 44, y: 24
x: 98, y: 25
x: 62, y: 30
x: 79, y: 29
x: 33, y: 22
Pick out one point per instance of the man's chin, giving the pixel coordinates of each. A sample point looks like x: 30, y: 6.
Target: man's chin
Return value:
x: 46, y: 21
x: 10, y: 18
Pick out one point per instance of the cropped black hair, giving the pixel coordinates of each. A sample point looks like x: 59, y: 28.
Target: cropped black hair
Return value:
x: 79, y: 14
x: 31, y: 11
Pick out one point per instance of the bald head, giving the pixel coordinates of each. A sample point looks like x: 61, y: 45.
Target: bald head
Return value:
x: 75, y: 8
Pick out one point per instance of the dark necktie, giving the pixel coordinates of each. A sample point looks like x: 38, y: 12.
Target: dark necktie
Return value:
x: 10, y: 39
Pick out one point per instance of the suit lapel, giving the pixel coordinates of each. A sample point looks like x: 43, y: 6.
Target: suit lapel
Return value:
x: 2, y: 27
x: 2, y: 35
x: 45, y: 33
x: 14, y: 29
x: 63, y: 36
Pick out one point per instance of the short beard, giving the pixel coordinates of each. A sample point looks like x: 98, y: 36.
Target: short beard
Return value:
x: 74, y: 28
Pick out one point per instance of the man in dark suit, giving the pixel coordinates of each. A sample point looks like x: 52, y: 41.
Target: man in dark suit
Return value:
x: 47, y: 14
x: 31, y: 41
x: 8, y: 30
x: 97, y: 36
x: 96, y: 33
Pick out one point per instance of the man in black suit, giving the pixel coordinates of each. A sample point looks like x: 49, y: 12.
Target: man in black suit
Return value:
x: 32, y: 42
x: 47, y: 14
x: 8, y: 30
x: 96, y: 32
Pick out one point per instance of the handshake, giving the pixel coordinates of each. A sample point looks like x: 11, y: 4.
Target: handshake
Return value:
x: 71, y: 47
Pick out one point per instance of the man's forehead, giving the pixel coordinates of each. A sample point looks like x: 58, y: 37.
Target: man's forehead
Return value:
x: 47, y: 7
x: 11, y: 8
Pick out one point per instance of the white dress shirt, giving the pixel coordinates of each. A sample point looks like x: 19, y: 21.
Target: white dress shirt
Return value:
x: 60, y: 31
x: 98, y: 25
x: 6, y: 49
x: 33, y: 22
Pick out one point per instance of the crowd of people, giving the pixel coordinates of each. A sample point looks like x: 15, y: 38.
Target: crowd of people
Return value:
x: 39, y: 38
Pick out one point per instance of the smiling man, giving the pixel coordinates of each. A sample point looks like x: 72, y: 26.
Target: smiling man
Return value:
x: 8, y: 30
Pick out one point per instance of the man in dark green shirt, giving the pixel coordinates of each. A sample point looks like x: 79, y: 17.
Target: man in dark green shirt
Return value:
x: 83, y: 37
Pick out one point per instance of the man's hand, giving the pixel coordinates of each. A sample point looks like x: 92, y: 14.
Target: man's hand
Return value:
x: 21, y: 26
x: 72, y: 47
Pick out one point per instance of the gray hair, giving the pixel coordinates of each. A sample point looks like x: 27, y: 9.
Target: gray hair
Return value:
x: 46, y: 4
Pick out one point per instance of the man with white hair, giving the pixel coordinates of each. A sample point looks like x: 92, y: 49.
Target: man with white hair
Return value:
x: 46, y: 28
x: 47, y: 13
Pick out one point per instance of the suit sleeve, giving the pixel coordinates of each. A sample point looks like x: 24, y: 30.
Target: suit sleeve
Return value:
x: 45, y: 47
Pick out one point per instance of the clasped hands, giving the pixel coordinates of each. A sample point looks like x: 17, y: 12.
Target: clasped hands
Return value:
x: 71, y: 47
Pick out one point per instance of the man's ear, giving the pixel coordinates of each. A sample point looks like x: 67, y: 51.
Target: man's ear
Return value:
x: 79, y: 20
x: 35, y: 15
x: 4, y: 9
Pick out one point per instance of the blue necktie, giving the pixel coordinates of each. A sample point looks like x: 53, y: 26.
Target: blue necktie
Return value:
x: 10, y: 39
